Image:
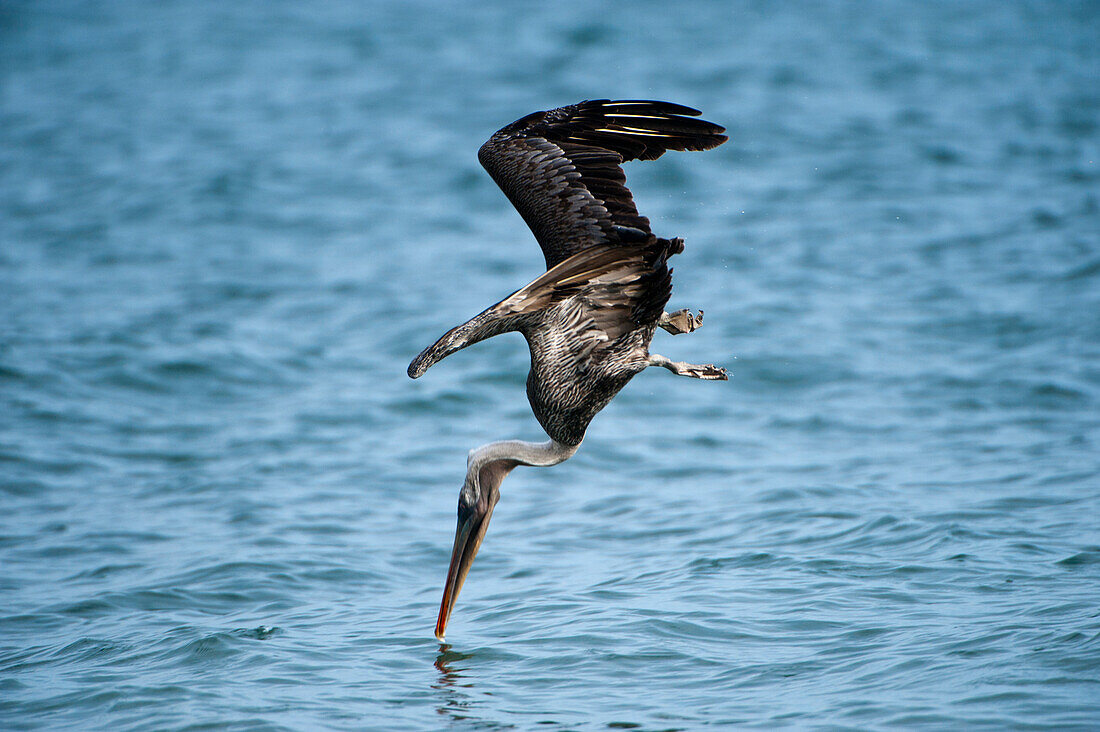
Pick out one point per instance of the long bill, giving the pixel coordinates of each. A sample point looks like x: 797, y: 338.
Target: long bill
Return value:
x: 473, y: 521
x: 486, y: 468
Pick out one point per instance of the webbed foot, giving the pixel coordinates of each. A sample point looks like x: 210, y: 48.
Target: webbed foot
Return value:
x: 681, y: 321
x: 709, y: 372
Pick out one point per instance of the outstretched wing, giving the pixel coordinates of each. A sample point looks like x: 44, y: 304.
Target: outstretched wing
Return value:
x: 613, y: 290
x: 561, y: 168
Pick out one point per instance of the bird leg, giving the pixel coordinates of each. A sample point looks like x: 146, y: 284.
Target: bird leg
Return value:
x: 681, y: 321
x: 706, y: 371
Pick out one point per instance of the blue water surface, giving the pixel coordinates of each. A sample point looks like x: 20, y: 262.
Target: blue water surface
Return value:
x: 226, y: 228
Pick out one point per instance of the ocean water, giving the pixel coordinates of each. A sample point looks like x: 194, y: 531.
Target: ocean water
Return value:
x: 225, y: 230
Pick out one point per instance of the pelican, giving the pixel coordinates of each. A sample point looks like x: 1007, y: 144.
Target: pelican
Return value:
x: 590, y: 317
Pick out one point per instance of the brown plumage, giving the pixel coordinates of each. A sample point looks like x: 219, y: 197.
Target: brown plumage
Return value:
x: 590, y: 317
x: 561, y: 169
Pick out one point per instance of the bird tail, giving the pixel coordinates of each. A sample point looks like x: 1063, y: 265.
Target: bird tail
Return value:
x: 657, y: 282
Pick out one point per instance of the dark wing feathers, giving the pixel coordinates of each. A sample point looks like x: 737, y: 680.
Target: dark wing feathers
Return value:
x: 635, y: 128
x: 561, y: 168
x: 614, y: 291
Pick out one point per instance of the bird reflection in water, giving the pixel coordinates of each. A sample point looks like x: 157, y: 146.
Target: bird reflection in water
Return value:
x: 455, y: 702
x: 447, y: 675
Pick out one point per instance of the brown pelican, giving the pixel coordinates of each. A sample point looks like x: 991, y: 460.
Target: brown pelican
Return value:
x: 590, y: 317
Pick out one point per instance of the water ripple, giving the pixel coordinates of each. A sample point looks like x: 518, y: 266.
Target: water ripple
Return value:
x: 227, y: 232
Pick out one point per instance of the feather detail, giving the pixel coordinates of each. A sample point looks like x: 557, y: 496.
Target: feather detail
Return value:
x: 589, y: 318
x: 562, y: 171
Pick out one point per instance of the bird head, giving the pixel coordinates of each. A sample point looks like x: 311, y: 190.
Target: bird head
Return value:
x: 479, y: 496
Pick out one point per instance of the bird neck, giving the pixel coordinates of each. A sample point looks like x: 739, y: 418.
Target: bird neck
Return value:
x: 518, y: 452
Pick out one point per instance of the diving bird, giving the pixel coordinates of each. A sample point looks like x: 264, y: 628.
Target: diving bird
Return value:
x: 590, y: 317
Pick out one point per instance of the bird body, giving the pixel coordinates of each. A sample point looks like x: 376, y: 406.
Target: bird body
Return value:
x: 590, y: 318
